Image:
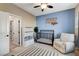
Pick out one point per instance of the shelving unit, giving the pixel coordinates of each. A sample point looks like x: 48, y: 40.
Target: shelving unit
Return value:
x: 28, y: 36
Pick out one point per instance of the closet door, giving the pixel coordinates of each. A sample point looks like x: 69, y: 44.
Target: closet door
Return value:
x: 4, y: 33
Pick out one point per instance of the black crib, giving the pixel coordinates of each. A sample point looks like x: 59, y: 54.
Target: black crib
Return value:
x: 46, y: 34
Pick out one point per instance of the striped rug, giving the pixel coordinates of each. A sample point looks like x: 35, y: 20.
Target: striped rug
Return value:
x: 35, y: 51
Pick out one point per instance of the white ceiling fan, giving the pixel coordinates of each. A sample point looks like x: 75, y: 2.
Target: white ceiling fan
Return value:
x: 43, y: 6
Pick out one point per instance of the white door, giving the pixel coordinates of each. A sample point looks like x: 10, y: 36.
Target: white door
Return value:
x: 4, y: 33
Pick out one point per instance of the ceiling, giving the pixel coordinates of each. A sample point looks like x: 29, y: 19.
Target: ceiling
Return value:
x: 37, y: 11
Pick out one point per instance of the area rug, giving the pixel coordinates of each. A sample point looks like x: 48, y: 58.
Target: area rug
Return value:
x: 36, y: 49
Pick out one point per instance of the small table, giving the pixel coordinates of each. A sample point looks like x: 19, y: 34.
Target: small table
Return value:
x: 77, y: 51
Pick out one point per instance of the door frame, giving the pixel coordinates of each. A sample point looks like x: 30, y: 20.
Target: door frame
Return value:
x: 20, y: 18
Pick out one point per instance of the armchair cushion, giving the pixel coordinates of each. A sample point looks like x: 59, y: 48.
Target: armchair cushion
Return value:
x: 67, y: 37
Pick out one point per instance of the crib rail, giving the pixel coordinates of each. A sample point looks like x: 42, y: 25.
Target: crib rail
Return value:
x: 45, y: 34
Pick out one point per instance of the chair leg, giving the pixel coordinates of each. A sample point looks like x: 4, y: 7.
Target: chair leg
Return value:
x: 53, y: 38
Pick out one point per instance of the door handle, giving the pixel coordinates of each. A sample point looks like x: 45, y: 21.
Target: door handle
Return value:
x: 7, y: 35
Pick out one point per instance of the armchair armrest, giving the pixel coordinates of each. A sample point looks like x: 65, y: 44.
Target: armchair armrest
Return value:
x: 70, y: 46
x: 59, y: 45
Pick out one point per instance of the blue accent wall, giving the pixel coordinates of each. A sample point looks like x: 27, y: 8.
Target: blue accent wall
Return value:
x: 65, y: 19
